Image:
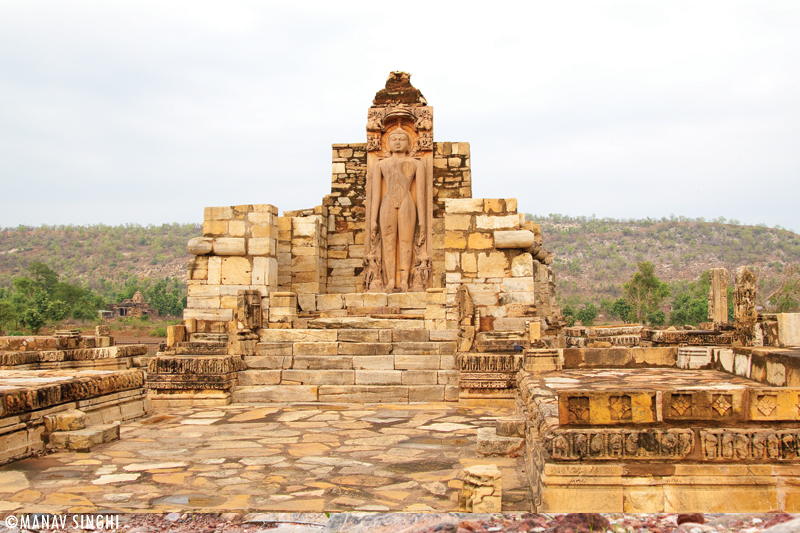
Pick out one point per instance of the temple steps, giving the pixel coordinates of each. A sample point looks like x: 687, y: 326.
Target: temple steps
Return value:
x: 345, y: 393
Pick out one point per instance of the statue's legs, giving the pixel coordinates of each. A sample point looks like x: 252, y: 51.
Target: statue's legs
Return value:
x: 388, y: 217
x: 406, y: 223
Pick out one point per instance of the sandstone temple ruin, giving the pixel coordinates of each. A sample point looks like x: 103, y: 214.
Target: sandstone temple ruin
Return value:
x: 400, y: 287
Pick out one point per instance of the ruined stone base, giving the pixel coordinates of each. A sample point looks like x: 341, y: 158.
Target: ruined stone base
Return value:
x: 668, y: 488
x: 186, y: 380
x: 169, y: 399
x: 28, y: 397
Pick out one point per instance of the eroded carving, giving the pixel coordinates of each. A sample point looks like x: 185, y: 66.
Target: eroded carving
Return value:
x: 605, y: 444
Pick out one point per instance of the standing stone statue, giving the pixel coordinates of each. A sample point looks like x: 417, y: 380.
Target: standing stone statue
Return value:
x: 397, y: 255
x: 396, y: 209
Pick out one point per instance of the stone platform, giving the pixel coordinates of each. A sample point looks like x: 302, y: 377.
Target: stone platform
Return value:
x: 28, y: 396
x: 660, y: 440
x: 270, y: 457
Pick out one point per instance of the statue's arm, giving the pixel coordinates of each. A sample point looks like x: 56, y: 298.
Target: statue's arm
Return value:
x: 422, y: 202
x: 377, y: 178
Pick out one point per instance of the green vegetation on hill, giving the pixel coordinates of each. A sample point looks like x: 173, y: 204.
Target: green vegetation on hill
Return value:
x: 104, y: 259
x: 594, y: 257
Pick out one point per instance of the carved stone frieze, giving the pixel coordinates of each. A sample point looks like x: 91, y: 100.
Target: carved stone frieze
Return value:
x: 476, y: 362
x: 609, y: 444
x: 748, y: 444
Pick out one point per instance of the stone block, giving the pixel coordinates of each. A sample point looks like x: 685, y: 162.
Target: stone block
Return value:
x: 444, y: 335
x: 512, y: 324
x: 300, y: 335
x: 510, y: 427
x: 457, y: 222
x: 454, y: 240
x: 788, y: 329
x: 329, y: 302
x: 84, y: 439
x: 229, y: 246
x: 307, y: 302
x: 215, y: 228
x: 274, y: 348
x: 452, y: 261
x: 416, y: 362
x: 410, y: 335
x: 522, y: 266
x: 353, y: 300
x: 426, y: 393
x: 261, y: 246
x: 490, y: 443
x: 378, y: 377
x: 416, y: 348
x: 448, y: 362
x: 200, y: 245
x: 448, y: 377
x: 373, y: 362
x: 275, y: 393
x: 363, y: 393
x: 248, y: 378
x: 214, y: 270
x: 359, y: 348
x: 407, y: 300
x: 517, y: 284
x: 488, y: 222
x: 316, y: 348
x: 523, y: 239
x: 420, y: 377
x: 235, y: 271
x: 263, y: 232
x: 69, y: 420
x: 218, y: 213
x: 318, y: 377
x: 492, y: 265
x: 482, y: 491
x: 211, y: 315
x: 270, y: 362
x: 323, y: 362
x: 360, y: 335
x: 480, y: 241
x: 606, y: 407
x: 463, y: 205
x: 283, y: 299
x: 175, y: 334
x: 236, y: 228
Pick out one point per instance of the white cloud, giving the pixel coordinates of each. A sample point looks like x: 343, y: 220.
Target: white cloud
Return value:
x: 148, y: 111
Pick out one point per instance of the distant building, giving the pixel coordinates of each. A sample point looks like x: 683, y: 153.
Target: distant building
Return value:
x: 131, y: 307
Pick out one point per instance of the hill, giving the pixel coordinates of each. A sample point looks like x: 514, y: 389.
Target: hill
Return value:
x: 102, y: 258
x: 595, y: 256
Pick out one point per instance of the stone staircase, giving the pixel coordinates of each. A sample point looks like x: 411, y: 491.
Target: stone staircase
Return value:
x: 352, y: 359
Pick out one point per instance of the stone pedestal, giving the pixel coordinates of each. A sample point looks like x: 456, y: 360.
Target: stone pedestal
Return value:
x: 482, y: 491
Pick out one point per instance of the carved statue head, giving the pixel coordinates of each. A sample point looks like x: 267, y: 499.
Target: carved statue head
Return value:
x: 399, y: 141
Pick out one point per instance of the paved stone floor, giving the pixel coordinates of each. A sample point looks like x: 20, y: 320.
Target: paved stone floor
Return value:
x: 270, y: 457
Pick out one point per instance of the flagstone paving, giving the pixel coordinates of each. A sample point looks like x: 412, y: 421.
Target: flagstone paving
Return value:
x: 270, y: 457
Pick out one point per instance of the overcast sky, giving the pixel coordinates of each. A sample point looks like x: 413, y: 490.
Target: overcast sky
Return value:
x: 145, y: 112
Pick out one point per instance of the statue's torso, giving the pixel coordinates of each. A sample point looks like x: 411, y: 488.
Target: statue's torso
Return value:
x: 398, y: 173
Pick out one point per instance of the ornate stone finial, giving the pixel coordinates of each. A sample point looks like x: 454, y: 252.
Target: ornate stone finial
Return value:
x: 399, y: 90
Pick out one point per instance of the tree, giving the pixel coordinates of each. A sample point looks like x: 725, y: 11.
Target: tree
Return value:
x: 587, y: 314
x: 569, y: 315
x: 786, y: 297
x: 645, y: 292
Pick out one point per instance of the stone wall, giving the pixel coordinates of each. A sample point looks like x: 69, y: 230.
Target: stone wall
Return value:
x: 303, y: 252
x: 238, y: 251
x: 486, y: 245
